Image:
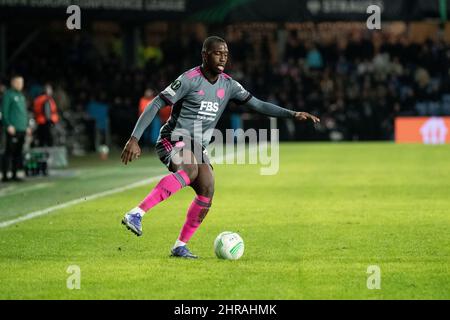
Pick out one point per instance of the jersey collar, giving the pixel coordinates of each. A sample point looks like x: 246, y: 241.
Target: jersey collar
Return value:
x: 204, y: 75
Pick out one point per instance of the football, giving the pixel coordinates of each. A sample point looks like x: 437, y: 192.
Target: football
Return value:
x: 229, y: 245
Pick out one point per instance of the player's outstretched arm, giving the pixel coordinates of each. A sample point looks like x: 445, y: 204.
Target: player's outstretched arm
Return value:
x: 302, y: 116
x: 272, y: 110
x: 132, y: 150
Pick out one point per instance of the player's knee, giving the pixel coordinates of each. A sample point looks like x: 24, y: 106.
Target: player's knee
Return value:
x: 210, y: 192
x: 206, y: 190
x: 191, y: 171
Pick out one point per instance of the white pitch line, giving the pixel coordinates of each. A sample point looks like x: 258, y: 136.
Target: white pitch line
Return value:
x: 38, y: 213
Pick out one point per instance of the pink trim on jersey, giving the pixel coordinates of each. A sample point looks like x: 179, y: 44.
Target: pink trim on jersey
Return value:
x: 201, y: 93
x: 226, y: 76
x: 193, y: 73
x: 167, y: 145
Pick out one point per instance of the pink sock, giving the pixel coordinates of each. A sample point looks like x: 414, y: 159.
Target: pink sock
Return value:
x: 165, y: 188
x: 196, y: 213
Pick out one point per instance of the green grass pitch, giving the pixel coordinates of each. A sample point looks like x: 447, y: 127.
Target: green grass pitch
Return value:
x: 310, y: 232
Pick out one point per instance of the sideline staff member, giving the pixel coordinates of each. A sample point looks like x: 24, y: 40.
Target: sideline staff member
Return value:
x: 15, y: 123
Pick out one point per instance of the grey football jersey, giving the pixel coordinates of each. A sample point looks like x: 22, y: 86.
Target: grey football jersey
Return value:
x: 198, y: 104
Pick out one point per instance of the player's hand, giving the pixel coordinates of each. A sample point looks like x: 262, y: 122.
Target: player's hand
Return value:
x: 131, y: 150
x: 302, y: 116
x: 11, y: 130
x: 29, y: 132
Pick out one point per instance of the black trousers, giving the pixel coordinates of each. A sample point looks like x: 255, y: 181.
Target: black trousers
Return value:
x: 44, y: 135
x: 13, y: 153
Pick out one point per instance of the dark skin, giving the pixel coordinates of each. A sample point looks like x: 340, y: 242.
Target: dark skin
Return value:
x: 201, y: 175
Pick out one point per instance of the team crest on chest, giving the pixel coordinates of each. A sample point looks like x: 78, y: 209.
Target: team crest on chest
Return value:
x: 220, y: 93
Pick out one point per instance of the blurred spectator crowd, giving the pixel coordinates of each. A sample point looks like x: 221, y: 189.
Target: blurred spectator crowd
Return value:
x: 357, y: 83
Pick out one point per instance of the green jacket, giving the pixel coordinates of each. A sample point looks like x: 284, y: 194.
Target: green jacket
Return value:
x: 14, y: 110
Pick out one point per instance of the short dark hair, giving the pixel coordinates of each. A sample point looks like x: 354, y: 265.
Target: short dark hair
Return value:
x: 207, y: 44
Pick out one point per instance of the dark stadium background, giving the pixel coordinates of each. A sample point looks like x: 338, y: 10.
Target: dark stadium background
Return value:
x: 310, y: 55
